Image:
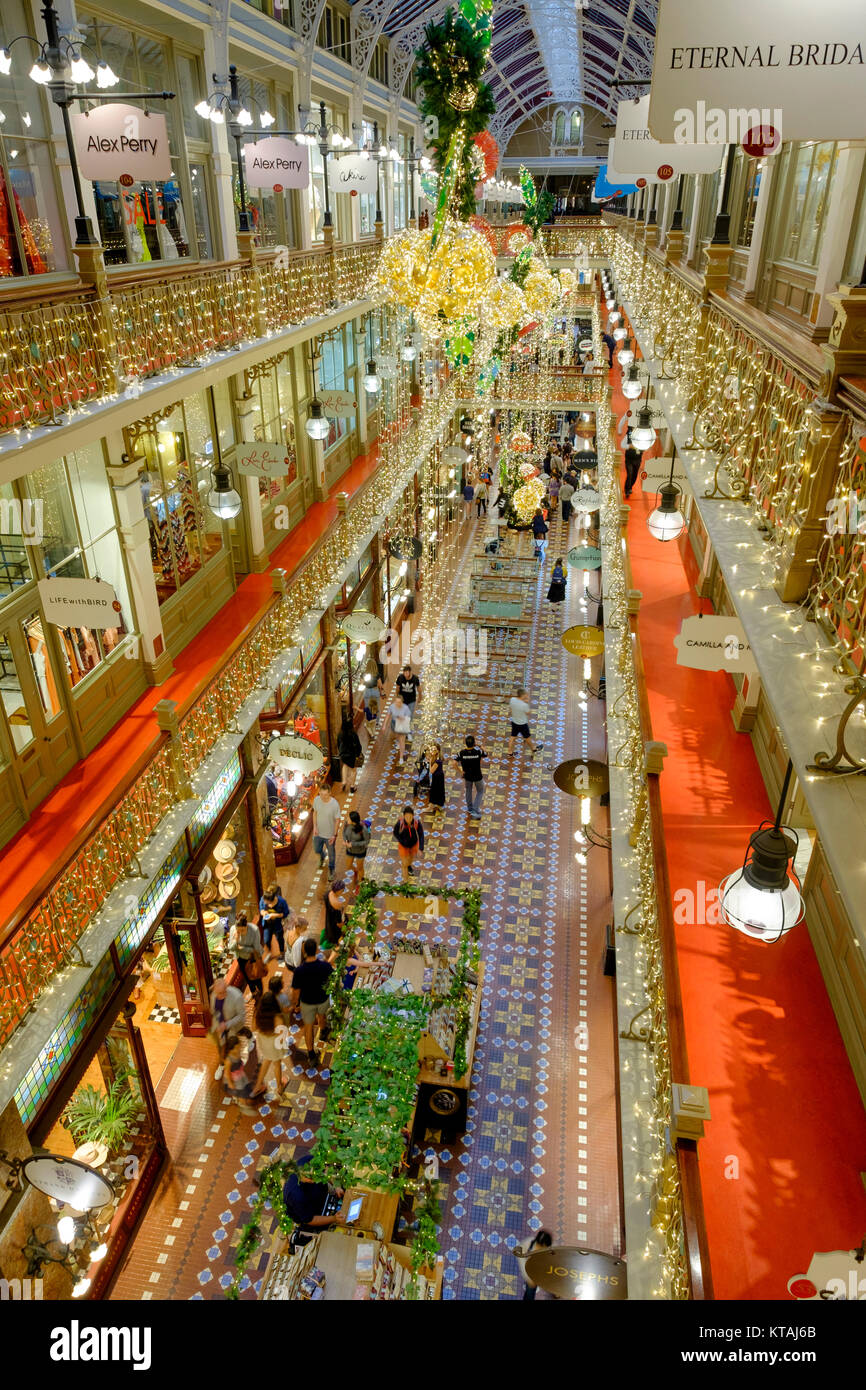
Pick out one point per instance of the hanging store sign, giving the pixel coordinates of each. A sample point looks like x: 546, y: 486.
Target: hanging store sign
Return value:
x: 586, y: 499
x: 338, y: 404
x: 405, y: 547
x: 362, y: 626
x: 79, y: 602
x: 714, y: 642
x: 574, y: 1273
x: 583, y: 640
x: 584, y: 557
x: 657, y: 471
x: 263, y: 460
x: 636, y: 152
x: 798, y: 67
x: 354, y: 173
x: 295, y: 754
x: 277, y: 163
x: 119, y: 143
x: 628, y: 185
x: 578, y: 778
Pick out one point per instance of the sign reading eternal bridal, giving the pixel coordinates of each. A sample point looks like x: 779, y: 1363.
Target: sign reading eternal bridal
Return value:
x: 295, y: 754
x: 277, y: 163
x: 636, y: 152
x: 806, y: 60
x: 714, y: 643
x: 263, y: 460
x: 117, y: 140
x: 79, y: 602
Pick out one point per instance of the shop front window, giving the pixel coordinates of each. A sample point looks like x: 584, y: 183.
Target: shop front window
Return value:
x: 809, y: 171
x: 14, y: 705
x: 32, y: 235
x: 19, y: 528
x: 160, y: 221
x: 289, y: 799
x: 177, y: 460
x: 367, y: 200
x: 337, y: 359
x: 749, y: 173
x: 80, y: 541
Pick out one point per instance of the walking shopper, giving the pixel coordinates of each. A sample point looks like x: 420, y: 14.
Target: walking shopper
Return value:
x: 542, y: 1240
x: 350, y: 752
x: 308, y: 990
x: 335, y: 915
x: 249, y: 949
x: 553, y: 491
x: 469, y: 759
x: 539, y: 531
x: 409, y: 686
x: 401, y: 724
x: 274, y: 913
x: 357, y: 837
x: 409, y: 834
x: 610, y: 344
x: 518, y: 710
x: 437, y: 778
x: 468, y: 499
x: 632, y: 459
x: 271, y: 1040
x: 326, y: 818
x: 422, y: 775
x: 227, y: 1014
x: 556, y: 592
x: 236, y: 1077
x: 481, y: 497
x: 566, y: 492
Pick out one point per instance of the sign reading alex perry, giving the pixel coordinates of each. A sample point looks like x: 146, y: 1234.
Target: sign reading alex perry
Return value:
x: 79, y: 603
x: 116, y: 140
x: 805, y: 60
x: 277, y: 163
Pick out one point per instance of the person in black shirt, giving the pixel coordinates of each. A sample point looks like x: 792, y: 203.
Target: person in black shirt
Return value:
x: 307, y: 1201
x: 632, y: 459
x: 469, y: 759
x: 308, y: 990
x: 409, y: 687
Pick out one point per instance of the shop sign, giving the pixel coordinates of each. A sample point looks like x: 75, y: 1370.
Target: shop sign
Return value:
x: 361, y: 626
x: 79, y: 602
x: 580, y: 778
x: 657, y: 471
x: 584, y: 557
x: 295, y: 754
x: 68, y: 1181
x: 354, y: 173
x: 614, y: 177
x: 338, y: 404
x: 277, y: 163
x: 586, y: 499
x: 583, y: 640
x: 714, y: 642
x: 455, y: 454
x: 405, y: 547
x: 119, y: 142
x: 574, y: 1273
x: 802, y: 59
x: 431, y: 905
x: 586, y: 345
x: 636, y: 152
x: 263, y: 460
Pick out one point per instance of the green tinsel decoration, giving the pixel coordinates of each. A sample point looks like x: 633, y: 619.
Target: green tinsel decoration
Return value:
x: 449, y: 69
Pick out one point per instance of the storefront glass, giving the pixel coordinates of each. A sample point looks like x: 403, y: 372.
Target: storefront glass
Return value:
x: 162, y: 221
x: 33, y: 240
x: 177, y: 459
x: 274, y: 422
x: 804, y: 183
x: 290, y: 814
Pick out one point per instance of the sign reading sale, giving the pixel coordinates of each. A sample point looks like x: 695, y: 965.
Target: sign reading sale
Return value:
x: 116, y: 141
x: 802, y: 59
x: 277, y: 163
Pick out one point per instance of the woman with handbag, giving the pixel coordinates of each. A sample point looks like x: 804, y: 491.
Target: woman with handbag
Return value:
x: 409, y: 834
x: 249, y: 949
x: 357, y: 838
x: 349, y: 751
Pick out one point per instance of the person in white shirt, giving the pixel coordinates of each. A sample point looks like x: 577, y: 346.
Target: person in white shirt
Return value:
x: 589, y: 365
x: 518, y: 707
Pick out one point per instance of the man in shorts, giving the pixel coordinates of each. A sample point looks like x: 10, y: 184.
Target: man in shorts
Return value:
x: 518, y: 708
x: 308, y: 990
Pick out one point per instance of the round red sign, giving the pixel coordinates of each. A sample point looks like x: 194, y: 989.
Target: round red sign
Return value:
x: 761, y: 140
x: 665, y: 171
x: 278, y: 188
x: 126, y: 180
x: 640, y: 183
x: 116, y: 606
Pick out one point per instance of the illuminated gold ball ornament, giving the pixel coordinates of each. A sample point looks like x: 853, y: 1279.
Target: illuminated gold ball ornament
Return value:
x: 527, y: 499
x: 443, y: 288
x: 541, y: 290
x: 568, y: 281
x: 504, y: 305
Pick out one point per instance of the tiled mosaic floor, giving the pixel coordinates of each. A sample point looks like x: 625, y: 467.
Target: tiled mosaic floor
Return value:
x: 540, y: 1148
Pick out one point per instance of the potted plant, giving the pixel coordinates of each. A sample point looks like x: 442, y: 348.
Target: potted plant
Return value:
x: 102, y: 1117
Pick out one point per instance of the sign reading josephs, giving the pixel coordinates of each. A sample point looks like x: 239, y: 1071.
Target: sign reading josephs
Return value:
x: 806, y: 60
